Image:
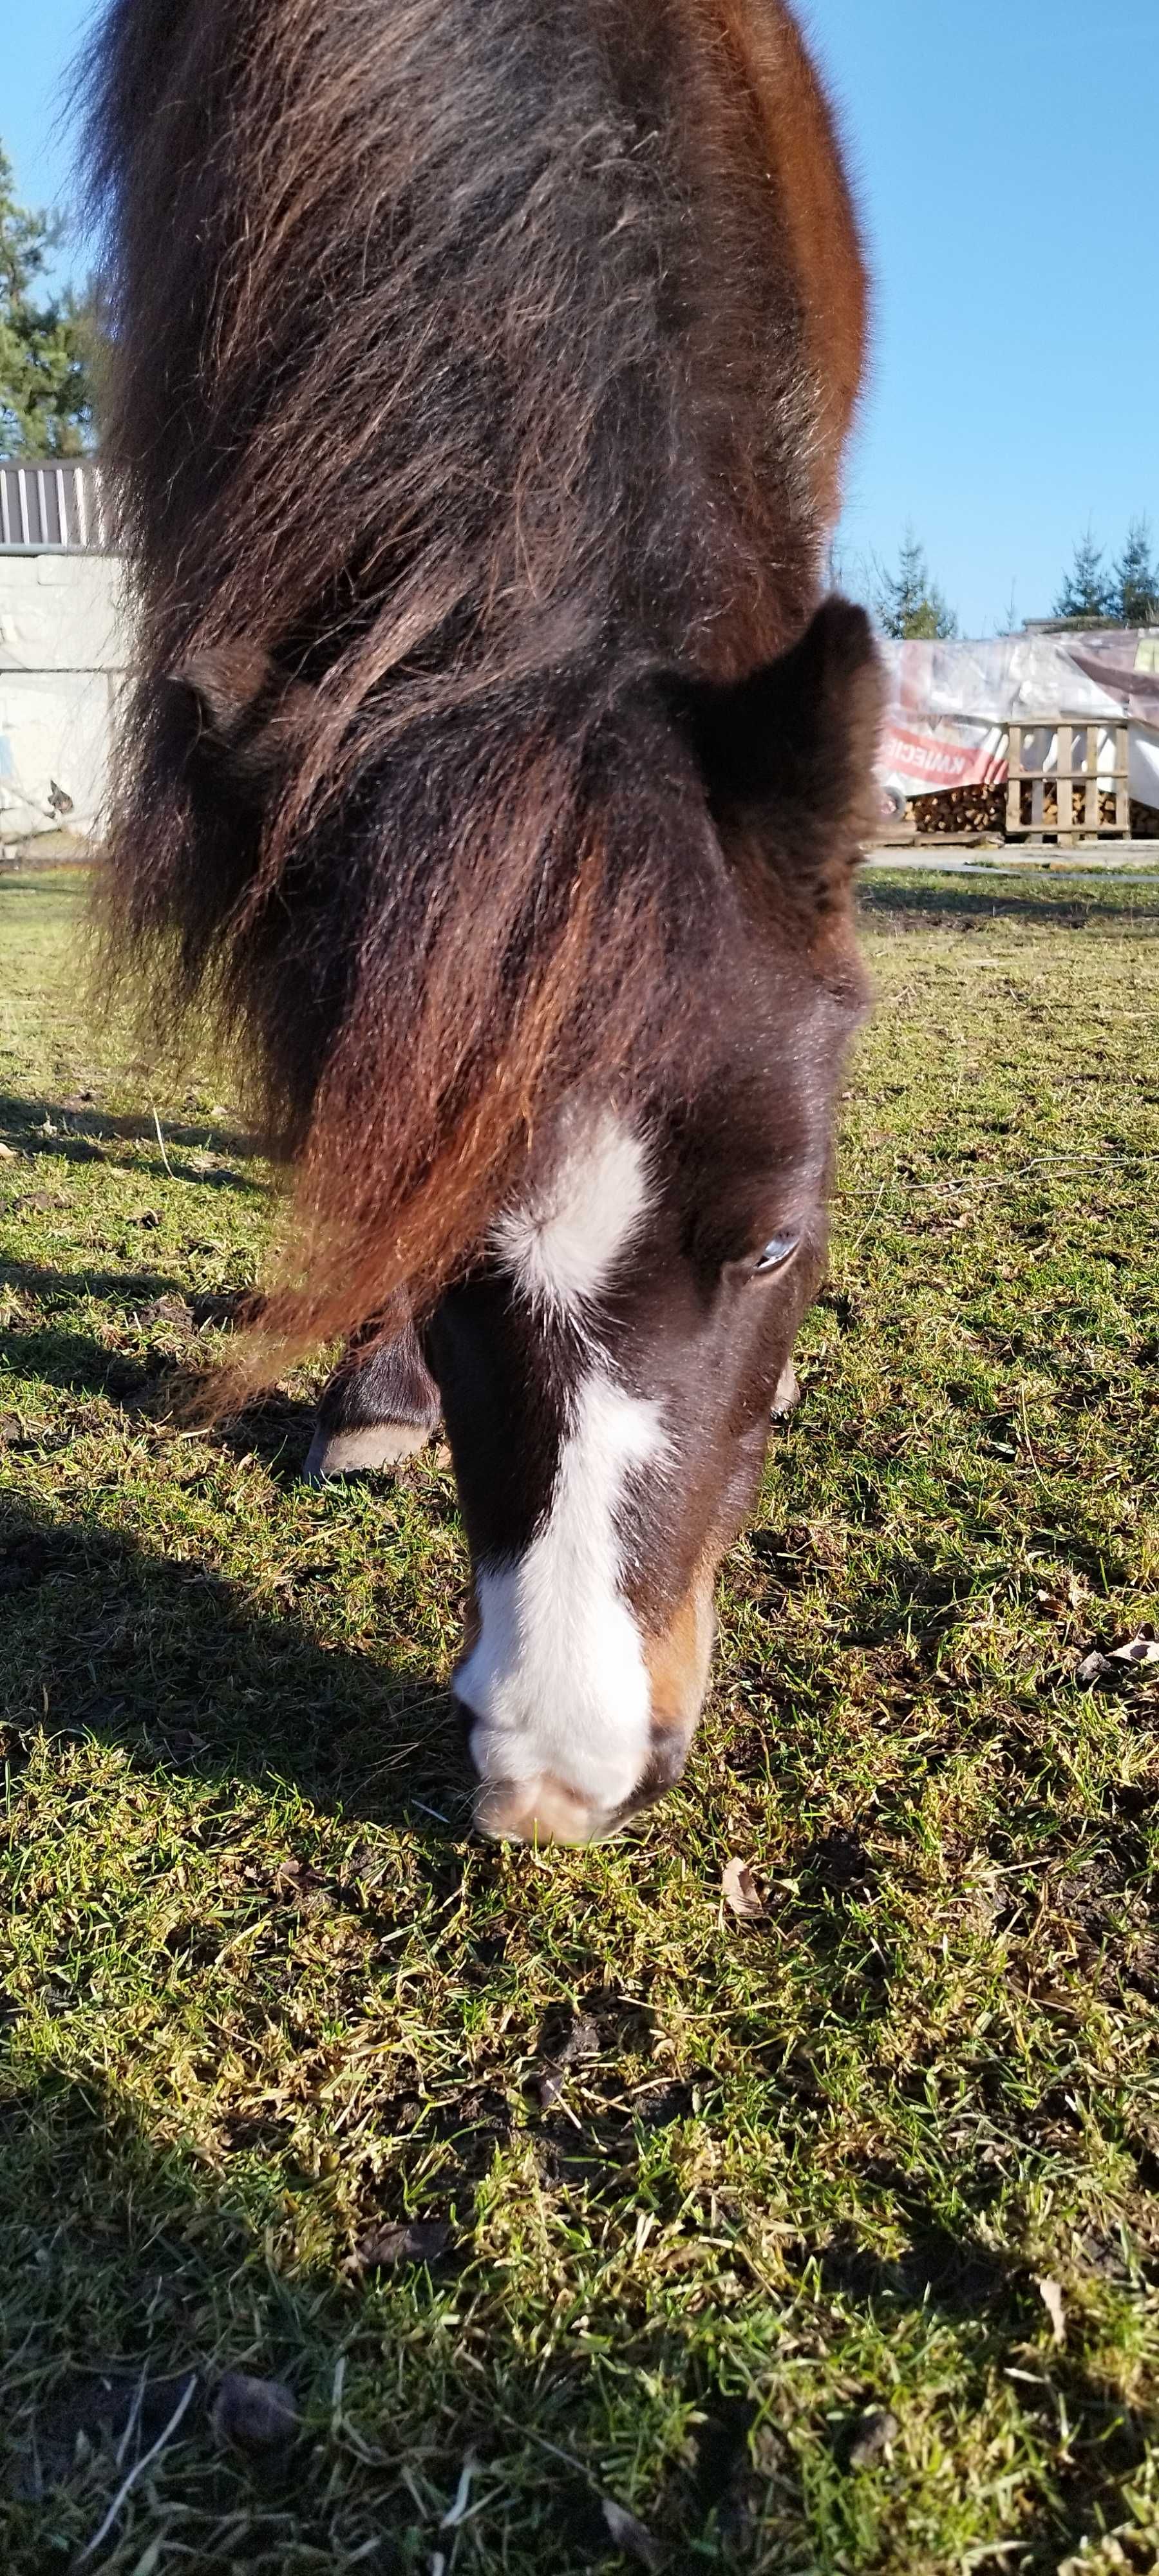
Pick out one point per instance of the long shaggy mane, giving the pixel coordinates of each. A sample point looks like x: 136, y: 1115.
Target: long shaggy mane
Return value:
x: 470, y: 370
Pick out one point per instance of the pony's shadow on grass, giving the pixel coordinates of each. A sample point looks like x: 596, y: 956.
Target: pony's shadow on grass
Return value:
x: 174, y: 1663
x: 140, y: 2275
x: 84, y: 1134
x: 960, y: 903
x: 61, y: 1355
x: 164, y: 1375
x: 149, y: 2278
x: 163, y: 1388
x: 59, y: 1290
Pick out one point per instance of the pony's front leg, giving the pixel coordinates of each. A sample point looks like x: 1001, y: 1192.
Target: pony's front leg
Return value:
x: 380, y: 1405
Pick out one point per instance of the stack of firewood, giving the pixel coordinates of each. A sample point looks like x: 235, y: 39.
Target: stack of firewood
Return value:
x: 1078, y: 810
x: 960, y: 810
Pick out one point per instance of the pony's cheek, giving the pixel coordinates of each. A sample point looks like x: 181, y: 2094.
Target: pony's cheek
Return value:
x: 678, y: 1661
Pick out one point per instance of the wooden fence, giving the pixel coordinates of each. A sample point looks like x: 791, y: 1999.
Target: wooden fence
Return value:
x: 56, y: 507
x: 1068, y: 775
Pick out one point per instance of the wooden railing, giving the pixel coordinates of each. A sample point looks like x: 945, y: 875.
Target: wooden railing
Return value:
x: 1067, y: 776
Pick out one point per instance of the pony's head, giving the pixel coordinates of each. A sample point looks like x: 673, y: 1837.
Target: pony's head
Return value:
x: 610, y: 1356
x: 609, y: 1369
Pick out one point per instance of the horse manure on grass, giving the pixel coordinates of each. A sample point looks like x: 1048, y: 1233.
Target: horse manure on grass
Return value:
x: 255, y: 2415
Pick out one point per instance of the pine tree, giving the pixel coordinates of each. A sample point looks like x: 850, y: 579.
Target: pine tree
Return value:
x: 1136, y: 579
x: 46, y: 346
x: 1086, y: 591
x: 909, y: 605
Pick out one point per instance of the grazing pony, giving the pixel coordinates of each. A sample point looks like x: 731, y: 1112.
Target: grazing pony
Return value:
x: 480, y: 376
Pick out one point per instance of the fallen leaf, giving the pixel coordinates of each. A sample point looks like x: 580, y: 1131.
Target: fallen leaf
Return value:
x: 1052, y: 2300
x: 148, y: 1218
x: 1091, y: 1669
x: 418, y: 2240
x: 7, y: 1154
x: 583, y: 2040
x: 40, y: 1201
x: 874, y: 2434
x: 631, y: 2536
x: 254, y: 2414
x: 741, y: 1891
x: 1140, y: 1649
x: 302, y: 1886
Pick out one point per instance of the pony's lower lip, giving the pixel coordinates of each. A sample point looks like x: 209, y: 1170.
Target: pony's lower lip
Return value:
x: 538, y: 1811
x: 510, y: 1811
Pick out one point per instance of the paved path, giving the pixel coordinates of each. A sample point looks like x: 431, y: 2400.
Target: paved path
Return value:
x: 1131, y: 859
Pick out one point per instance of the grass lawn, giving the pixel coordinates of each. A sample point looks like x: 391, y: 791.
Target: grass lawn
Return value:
x: 822, y: 2241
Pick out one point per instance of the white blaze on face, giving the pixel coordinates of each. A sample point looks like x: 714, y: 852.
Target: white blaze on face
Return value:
x: 564, y: 1244
x: 557, y: 1678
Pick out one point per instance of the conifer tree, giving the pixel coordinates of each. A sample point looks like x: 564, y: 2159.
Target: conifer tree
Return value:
x: 1086, y: 590
x: 46, y: 340
x: 1136, y: 578
x: 909, y: 604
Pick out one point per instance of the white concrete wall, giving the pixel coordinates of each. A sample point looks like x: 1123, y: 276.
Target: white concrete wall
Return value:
x: 63, y: 650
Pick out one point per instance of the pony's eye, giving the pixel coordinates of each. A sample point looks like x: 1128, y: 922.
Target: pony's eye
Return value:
x: 777, y: 1252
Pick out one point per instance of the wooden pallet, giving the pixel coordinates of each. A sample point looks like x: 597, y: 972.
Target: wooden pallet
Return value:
x: 1067, y: 778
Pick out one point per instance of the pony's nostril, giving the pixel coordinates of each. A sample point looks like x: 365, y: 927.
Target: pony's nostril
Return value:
x: 664, y: 1768
x: 666, y: 1759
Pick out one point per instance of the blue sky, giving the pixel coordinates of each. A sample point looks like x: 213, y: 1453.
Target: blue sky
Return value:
x: 1004, y: 153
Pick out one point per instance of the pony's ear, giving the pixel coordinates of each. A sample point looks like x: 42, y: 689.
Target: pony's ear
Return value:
x: 797, y: 741
x: 248, y: 719
x: 226, y: 682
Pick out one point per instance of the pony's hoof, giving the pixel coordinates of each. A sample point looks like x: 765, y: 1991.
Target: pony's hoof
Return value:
x: 377, y: 1446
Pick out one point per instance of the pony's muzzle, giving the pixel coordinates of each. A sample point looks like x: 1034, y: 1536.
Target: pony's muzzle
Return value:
x: 547, y: 1810
x: 522, y: 1798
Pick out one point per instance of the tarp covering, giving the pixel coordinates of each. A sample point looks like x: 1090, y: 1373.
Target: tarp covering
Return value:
x: 951, y: 706
x: 63, y: 646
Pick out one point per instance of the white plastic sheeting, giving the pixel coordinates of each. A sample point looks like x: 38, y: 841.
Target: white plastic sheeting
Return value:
x: 62, y: 652
x: 64, y: 648
x: 951, y: 706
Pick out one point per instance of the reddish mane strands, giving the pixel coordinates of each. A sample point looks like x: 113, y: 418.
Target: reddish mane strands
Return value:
x: 470, y: 367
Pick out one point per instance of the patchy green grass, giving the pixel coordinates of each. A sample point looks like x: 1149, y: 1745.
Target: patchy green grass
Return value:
x: 711, y: 2190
